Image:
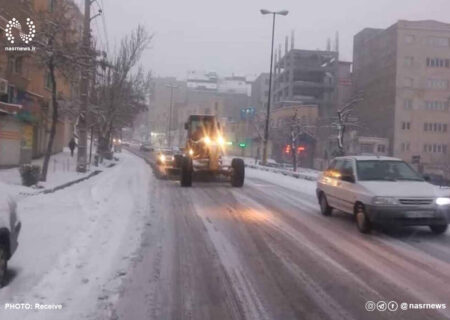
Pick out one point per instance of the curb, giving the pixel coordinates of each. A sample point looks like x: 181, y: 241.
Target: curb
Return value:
x: 62, y: 186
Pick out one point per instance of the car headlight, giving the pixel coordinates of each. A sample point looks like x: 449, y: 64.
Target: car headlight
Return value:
x: 220, y: 141
x: 384, y: 201
x: 207, y: 140
x: 162, y: 158
x: 441, y: 201
x: 191, y: 152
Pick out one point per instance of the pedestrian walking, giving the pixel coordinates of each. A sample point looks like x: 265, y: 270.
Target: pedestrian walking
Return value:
x: 72, y: 145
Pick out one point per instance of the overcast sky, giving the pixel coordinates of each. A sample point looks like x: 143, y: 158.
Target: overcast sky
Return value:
x: 231, y: 36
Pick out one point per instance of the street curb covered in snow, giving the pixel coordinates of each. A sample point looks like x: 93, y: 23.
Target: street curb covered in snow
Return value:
x: 292, y: 174
x: 62, y: 186
x: 68, y: 184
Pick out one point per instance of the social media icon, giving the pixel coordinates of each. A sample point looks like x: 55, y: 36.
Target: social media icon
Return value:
x: 381, y: 306
x: 370, y: 306
x: 392, y: 306
x: 404, y: 306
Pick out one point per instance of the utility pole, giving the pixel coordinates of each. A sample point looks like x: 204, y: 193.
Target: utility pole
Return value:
x: 269, y: 100
x: 82, y: 122
x: 169, y: 140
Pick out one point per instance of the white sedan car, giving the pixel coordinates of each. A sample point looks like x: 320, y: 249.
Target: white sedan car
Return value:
x: 382, y: 190
x: 9, y: 232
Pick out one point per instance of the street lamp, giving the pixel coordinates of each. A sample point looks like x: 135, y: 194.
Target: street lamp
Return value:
x: 169, y: 140
x: 266, y: 129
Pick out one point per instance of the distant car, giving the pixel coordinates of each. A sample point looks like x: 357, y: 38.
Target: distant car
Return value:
x: 117, y: 143
x: 146, y: 147
x: 381, y: 190
x: 167, y: 161
x: 10, y: 226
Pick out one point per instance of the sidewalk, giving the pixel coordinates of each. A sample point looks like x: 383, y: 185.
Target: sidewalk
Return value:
x: 61, y: 170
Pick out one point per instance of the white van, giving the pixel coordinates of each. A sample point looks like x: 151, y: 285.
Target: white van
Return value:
x: 381, y: 190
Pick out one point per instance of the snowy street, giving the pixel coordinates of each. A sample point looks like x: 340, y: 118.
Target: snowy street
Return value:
x: 77, y: 243
x: 125, y: 245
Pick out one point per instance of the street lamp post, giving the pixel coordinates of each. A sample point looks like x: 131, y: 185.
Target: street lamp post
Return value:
x: 169, y: 140
x: 266, y: 129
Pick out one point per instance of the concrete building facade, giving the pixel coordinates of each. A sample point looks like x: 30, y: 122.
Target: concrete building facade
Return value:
x: 404, y: 72
x: 307, y: 77
x: 260, y: 92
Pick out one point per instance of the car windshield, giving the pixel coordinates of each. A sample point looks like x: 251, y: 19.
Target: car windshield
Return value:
x: 385, y: 170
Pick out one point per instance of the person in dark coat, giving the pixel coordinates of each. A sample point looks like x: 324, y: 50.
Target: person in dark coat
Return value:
x: 72, y: 145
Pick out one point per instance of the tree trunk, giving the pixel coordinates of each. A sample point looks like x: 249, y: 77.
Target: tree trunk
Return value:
x: 294, y: 151
x: 51, y: 139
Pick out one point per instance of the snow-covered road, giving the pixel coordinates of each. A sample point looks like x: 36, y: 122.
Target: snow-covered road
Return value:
x: 125, y: 245
x: 265, y: 252
x: 76, y: 245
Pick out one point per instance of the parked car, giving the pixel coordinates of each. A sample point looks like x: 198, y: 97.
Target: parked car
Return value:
x: 146, y: 147
x: 10, y: 226
x: 381, y: 190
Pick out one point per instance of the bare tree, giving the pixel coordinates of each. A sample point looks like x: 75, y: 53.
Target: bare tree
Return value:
x: 122, y: 91
x: 344, y: 120
x: 57, y: 53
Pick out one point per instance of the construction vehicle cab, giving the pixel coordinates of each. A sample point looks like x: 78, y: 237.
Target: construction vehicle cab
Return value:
x: 204, y: 151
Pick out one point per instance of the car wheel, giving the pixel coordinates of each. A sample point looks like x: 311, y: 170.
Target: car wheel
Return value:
x: 186, y: 172
x: 362, y: 221
x: 439, y: 228
x: 3, y: 265
x: 238, y: 172
x: 325, y: 209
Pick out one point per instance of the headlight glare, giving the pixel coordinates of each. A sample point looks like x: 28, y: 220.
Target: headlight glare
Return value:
x: 441, y: 201
x: 207, y: 140
x: 220, y: 141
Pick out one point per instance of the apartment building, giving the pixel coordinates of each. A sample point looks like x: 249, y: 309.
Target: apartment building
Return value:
x: 25, y: 93
x: 404, y: 72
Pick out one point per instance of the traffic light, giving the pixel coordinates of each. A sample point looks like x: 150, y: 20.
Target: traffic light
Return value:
x: 242, y: 145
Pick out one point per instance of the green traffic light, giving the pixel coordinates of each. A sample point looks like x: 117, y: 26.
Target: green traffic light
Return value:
x: 243, y: 145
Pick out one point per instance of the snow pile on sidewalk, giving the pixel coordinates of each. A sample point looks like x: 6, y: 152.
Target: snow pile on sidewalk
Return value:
x: 301, y: 173
x: 77, y: 244
x: 305, y: 186
x: 61, y: 170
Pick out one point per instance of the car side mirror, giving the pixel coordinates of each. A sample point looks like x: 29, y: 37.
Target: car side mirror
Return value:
x: 186, y: 126
x: 348, y: 178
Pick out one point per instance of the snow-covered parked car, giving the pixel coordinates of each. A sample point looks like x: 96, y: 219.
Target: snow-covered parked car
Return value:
x: 382, y: 190
x: 9, y: 231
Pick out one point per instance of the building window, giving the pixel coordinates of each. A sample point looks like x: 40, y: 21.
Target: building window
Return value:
x: 438, y: 42
x: 51, y: 5
x: 440, y: 84
x: 436, y: 105
x: 381, y: 148
x: 406, y: 125
x: 404, y: 146
x: 47, y: 80
x: 366, y: 147
x: 408, y: 62
x: 409, y: 38
x: 408, y: 104
x: 438, y: 62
